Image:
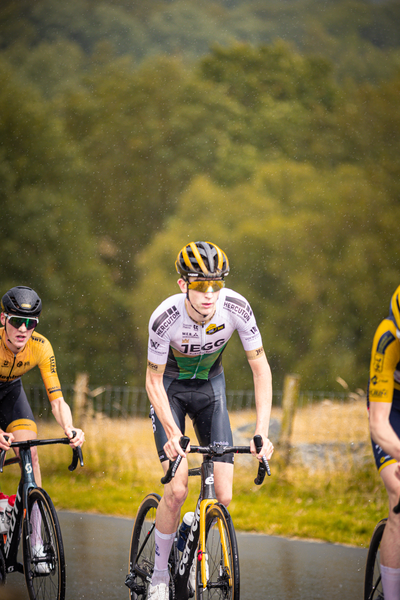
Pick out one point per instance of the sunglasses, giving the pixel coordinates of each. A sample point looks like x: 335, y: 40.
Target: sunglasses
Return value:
x: 204, y: 285
x: 17, y: 322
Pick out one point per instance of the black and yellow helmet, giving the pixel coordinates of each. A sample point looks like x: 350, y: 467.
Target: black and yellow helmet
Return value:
x: 21, y: 301
x: 202, y: 259
x: 395, y: 308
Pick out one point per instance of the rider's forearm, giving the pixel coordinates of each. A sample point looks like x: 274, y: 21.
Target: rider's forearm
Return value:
x: 263, y: 393
x: 61, y: 412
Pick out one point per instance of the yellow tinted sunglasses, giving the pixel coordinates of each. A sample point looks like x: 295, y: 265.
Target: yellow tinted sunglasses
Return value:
x: 206, y: 285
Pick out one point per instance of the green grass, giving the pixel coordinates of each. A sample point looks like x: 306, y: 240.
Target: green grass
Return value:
x: 341, y: 507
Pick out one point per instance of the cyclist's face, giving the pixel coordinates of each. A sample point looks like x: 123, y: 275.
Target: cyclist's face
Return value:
x: 204, y: 302
x: 15, y: 338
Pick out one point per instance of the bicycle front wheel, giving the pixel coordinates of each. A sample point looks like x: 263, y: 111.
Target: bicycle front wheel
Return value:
x: 142, y: 551
x: 373, y: 584
x: 43, y: 551
x: 221, y: 556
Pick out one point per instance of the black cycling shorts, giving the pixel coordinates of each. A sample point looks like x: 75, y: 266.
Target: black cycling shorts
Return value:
x: 381, y: 458
x: 205, y: 403
x: 15, y: 411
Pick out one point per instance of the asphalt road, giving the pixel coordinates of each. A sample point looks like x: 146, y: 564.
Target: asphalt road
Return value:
x: 271, y: 568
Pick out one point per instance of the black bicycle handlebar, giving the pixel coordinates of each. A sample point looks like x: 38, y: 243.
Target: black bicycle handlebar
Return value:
x: 218, y: 450
x: 397, y: 508
x: 77, y: 455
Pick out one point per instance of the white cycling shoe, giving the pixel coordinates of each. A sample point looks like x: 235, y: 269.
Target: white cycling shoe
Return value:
x: 41, y: 568
x: 158, y: 592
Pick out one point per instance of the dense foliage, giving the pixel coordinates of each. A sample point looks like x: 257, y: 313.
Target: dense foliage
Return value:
x: 271, y: 128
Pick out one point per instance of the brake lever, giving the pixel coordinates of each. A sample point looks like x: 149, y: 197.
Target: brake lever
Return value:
x: 263, y: 467
x: 174, y: 464
x: 76, y: 456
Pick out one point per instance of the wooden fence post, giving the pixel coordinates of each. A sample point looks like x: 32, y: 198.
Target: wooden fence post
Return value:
x: 290, y: 398
x: 81, y: 389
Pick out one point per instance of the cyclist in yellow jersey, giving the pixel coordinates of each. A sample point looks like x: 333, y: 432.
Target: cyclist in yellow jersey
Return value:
x: 21, y: 349
x: 384, y: 419
x: 188, y: 333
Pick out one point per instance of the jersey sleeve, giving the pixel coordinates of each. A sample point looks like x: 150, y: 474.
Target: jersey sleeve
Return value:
x: 160, y: 325
x: 385, y: 357
x: 245, y: 324
x: 48, y: 371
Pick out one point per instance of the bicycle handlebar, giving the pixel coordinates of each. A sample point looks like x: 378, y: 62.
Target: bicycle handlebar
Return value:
x: 397, y: 508
x: 76, y: 452
x: 218, y: 450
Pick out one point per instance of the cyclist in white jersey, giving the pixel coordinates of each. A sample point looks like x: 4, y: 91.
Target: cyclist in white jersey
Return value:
x: 188, y: 333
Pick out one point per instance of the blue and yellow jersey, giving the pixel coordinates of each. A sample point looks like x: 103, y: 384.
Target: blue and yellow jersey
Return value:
x: 37, y: 352
x: 385, y: 363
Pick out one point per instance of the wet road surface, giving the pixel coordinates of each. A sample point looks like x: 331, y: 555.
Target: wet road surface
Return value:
x: 274, y: 568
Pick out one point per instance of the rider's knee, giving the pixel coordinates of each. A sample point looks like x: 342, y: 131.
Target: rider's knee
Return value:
x: 224, y: 497
x: 176, y: 496
x: 35, y: 457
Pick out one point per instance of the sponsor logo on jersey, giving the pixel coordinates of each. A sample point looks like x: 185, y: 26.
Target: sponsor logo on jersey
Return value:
x: 164, y: 321
x: 214, y: 328
x: 386, y: 339
x: 53, y: 390
x: 238, y: 307
x: 197, y: 348
x: 53, y: 365
x: 36, y: 339
x: 378, y: 362
x: 374, y: 393
x: 153, y: 366
x: 190, y: 334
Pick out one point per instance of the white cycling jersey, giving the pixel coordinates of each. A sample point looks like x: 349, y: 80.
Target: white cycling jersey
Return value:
x: 185, y: 349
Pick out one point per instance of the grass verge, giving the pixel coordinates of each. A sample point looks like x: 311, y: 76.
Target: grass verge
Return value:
x: 121, y: 468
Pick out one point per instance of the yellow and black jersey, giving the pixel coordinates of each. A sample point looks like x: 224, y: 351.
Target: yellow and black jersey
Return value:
x: 37, y: 352
x: 385, y: 363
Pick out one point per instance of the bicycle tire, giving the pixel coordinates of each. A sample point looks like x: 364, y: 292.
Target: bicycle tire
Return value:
x: 142, y: 550
x: 372, y: 583
x: 44, y: 564
x: 223, y: 580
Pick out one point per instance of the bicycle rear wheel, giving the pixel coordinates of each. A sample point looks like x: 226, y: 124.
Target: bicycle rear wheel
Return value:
x: 43, y: 551
x: 142, y: 551
x: 221, y: 556
x: 373, y: 584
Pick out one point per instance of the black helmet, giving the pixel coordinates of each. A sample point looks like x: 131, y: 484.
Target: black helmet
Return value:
x: 21, y: 300
x: 202, y: 259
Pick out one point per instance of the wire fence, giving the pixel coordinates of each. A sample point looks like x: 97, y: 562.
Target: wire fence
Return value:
x: 127, y: 402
